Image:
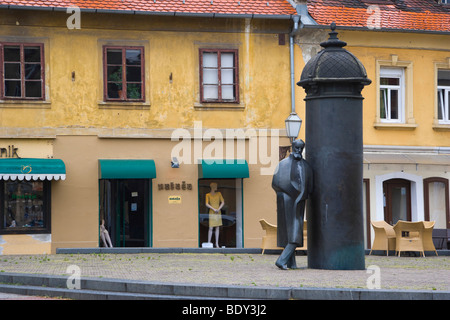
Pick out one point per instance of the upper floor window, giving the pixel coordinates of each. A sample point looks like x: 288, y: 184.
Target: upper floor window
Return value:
x: 22, y: 71
x: 392, y: 84
x: 443, y: 96
x: 123, y: 73
x: 219, y: 75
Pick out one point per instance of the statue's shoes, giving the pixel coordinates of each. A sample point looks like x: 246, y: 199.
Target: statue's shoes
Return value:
x: 281, y: 266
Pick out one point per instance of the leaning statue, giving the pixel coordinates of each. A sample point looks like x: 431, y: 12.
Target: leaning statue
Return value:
x: 293, y: 183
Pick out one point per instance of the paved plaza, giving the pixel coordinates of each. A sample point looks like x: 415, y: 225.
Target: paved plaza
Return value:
x: 238, y: 269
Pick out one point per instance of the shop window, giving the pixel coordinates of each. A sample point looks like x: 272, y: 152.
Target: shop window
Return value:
x: 23, y: 71
x: 25, y: 207
x: 443, y: 96
x: 392, y: 94
x: 219, y: 76
x: 436, y: 202
x: 123, y: 73
x: 229, y: 227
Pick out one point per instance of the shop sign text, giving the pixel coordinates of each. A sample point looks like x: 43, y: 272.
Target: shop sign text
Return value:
x: 9, y: 152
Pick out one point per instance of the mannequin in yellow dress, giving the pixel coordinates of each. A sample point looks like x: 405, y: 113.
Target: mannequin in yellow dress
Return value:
x: 214, y: 201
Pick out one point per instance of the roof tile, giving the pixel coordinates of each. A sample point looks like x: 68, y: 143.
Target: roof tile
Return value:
x: 425, y: 15
x: 256, y: 7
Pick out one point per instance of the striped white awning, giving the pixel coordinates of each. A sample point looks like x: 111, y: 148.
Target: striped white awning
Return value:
x: 32, y: 169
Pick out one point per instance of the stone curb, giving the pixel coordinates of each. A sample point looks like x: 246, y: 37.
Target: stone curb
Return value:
x: 119, y: 250
x: 105, y: 289
x: 136, y: 250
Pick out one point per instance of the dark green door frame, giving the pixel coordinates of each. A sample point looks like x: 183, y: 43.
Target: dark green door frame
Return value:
x: 118, y: 203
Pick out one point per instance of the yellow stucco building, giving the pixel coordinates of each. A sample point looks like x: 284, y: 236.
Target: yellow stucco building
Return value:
x: 193, y: 82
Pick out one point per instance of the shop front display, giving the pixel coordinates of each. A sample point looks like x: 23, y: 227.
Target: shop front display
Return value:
x: 25, y: 203
x: 125, y: 201
x: 220, y: 202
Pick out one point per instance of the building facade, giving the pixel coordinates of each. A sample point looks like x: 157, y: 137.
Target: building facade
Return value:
x: 405, y: 48
x: 123, y: 115
x: 115, y: 96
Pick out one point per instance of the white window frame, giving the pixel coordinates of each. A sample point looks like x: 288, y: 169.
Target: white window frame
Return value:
x: 443, y: 100
x: 444, y: 103
x: 387, y: 72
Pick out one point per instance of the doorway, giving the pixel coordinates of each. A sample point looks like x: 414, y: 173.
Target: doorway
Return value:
x: 231, y: 230
x: 397, y: 200
x: 125, y: 208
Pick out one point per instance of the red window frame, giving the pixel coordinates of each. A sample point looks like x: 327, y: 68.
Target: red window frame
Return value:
x: 22, y: 62
x: 122, y: 96
x: 235, y: 73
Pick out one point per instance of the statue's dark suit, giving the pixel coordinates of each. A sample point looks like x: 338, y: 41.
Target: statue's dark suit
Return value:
x: 292, y: 182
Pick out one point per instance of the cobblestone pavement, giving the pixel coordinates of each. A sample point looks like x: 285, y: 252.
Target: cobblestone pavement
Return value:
x: 11, y: 296
x: 399, y: 273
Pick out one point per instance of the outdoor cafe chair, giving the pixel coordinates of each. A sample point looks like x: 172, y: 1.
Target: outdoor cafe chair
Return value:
x: 384, y: 236
x: 409, y: 236
x: 428, y: 244
x: 269, y: 240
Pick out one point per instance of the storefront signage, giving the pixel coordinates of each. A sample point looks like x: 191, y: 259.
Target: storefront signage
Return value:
x: 174, y: 199
x: 9, y: 152
x: 175, y: 186
x: 23, y: 196
x: 26, y: 148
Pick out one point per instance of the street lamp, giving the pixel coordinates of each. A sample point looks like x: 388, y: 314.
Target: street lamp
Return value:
x: 293, y: 125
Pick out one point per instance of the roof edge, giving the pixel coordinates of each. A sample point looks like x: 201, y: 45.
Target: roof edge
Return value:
x: 327, y: 26
x: 156, y: 13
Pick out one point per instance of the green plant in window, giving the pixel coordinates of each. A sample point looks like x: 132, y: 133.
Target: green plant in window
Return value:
x: 133, y: 91
x: 116, y: 77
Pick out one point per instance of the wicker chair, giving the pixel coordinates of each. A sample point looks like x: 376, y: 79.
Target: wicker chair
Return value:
x: 384, y: 236
x: 428, y: 244
x: 409, y: 236
x: 269, y: 240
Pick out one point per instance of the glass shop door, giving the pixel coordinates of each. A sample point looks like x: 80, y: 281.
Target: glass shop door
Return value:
x: 124, y: 206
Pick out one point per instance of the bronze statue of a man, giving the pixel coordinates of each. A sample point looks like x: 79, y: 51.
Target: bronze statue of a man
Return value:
x: 293, y: 183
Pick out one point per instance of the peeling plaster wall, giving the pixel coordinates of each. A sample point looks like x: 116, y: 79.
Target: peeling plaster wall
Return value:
x: 74, y: 73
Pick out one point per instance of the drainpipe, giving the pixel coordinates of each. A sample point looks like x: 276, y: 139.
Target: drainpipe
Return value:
x: 296, y: 20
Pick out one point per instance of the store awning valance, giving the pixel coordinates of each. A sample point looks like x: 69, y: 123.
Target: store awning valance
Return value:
x: 223, y: 168
x: 126, y: 169
x: 32, y: 169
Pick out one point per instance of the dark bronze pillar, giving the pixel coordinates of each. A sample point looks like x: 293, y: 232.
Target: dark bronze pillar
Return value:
x: 333, y: 81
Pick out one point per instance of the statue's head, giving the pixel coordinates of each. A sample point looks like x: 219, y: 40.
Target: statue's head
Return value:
x: 297, y: 148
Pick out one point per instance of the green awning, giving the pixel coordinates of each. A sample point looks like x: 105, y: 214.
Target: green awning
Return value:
x: 223, y: 168
x: 32, y: 169
x: 126, y: 169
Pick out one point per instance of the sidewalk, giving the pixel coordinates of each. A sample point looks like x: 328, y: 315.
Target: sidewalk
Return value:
x: 247, y: 269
